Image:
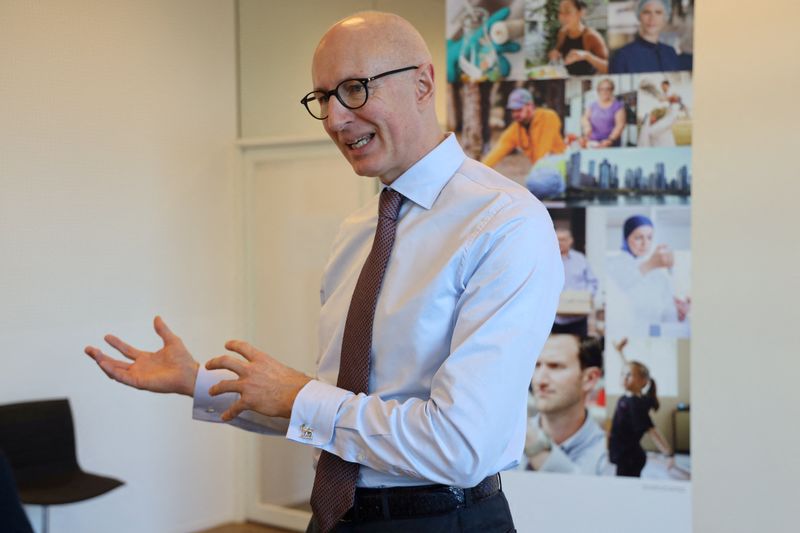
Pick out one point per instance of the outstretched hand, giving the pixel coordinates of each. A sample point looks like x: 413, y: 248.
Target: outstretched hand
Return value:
x: 170, y: 369
x: 621, y: 344
x: 265, y: 385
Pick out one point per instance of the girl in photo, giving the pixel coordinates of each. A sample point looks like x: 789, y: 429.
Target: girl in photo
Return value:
x: 632, y: 420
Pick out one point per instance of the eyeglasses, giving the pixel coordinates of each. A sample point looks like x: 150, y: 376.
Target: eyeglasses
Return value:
x: 351, y: 93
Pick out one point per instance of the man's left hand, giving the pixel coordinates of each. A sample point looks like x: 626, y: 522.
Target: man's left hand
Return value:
x: 265, y: 385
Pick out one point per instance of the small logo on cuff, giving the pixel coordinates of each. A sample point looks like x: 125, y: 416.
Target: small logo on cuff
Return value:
x: 306, y: 432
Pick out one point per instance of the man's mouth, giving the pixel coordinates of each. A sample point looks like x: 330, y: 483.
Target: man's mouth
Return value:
x: 361, y: 141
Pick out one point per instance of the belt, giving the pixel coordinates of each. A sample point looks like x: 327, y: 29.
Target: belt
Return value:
x: 424, y: 500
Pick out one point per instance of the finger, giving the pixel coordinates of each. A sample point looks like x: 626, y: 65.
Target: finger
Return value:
x: 95, y: 353
x: 245, y: 349
x: 233, y: 411
x: 116, y: 370
x: 98, y: 355
x: 123, y: 347
x: 163, y: 331
x: 226, y: 385
x: 227, y: 362
x: 113, y: 368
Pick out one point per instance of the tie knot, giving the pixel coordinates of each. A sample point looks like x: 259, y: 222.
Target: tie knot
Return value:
x: 389, y: 206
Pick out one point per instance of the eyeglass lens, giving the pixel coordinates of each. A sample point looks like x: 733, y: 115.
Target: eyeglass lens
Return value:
x: 351, y: 93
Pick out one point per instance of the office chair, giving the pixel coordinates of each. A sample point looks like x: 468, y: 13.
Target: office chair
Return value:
x: 38, y: 438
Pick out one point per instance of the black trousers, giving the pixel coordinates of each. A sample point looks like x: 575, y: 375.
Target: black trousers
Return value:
x: 491, y: 515
x: 632, y: 465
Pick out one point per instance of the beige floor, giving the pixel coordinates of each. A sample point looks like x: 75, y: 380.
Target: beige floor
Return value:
x: 248, y: 527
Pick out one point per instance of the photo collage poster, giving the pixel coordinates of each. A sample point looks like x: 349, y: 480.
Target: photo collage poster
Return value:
x: 588, y: 104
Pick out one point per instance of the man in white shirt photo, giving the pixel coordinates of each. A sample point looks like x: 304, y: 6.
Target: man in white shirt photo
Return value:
x: 562, y: 436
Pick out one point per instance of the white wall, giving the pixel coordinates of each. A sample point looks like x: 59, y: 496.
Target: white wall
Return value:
x: 117, y: 202
x: 745, y: 360
x: 278, y: 39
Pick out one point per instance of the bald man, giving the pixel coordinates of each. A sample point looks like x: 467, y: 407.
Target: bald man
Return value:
x: 465, y: 304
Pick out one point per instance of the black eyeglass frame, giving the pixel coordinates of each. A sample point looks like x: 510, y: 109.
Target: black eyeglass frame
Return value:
x: 335, y: 91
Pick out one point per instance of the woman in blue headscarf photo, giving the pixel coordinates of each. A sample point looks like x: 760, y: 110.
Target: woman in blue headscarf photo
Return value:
x: 641, y: 277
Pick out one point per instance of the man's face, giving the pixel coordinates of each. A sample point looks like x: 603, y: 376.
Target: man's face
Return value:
x: 558, y: 381
x: 378, y: 139
x: 523, y: 115
x: 565, y: 240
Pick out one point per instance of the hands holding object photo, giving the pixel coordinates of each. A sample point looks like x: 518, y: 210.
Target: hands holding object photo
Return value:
x: 265, y: 385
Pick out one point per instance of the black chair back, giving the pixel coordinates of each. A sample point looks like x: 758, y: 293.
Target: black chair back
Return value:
x: 38, y: 439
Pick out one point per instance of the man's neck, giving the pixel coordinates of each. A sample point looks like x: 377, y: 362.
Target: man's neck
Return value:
x: 562, y: 425
x: 434, y: 139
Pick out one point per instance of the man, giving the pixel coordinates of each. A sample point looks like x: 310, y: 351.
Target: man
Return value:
x: 578, y: 276
x: 419, y: 398
x: 562, y: 437
x: 536, y: 132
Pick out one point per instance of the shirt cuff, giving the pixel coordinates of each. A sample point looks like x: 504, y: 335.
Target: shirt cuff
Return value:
x: 313, y: 418
x: 206, y: 407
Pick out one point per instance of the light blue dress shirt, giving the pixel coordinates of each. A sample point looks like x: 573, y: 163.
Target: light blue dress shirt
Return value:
x: 466, y: 304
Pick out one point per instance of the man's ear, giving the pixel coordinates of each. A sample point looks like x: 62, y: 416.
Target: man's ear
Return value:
x: 591, y: 376
x: 425, y: 84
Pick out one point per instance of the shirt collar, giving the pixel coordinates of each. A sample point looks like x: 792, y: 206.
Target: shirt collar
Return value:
x: 580, y: 436
x: 426, y: 178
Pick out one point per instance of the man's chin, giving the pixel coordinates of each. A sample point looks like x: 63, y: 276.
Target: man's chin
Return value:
x: 363, y: 170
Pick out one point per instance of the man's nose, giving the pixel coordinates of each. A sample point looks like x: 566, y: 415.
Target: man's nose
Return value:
x: 338, y: 115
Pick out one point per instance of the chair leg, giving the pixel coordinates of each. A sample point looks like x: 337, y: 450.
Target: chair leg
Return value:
x: 45, y: 519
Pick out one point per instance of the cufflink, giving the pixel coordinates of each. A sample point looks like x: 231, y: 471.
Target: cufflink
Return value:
x: 210, y: 410
x: 306, y: 432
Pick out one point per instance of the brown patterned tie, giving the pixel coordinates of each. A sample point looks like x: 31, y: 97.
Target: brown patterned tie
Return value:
x: 335, y: 480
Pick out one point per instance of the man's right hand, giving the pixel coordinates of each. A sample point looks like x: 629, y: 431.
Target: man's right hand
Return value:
x: 170, y: 369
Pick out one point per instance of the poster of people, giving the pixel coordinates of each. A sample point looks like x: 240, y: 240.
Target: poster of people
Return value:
x: 588, y: 104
